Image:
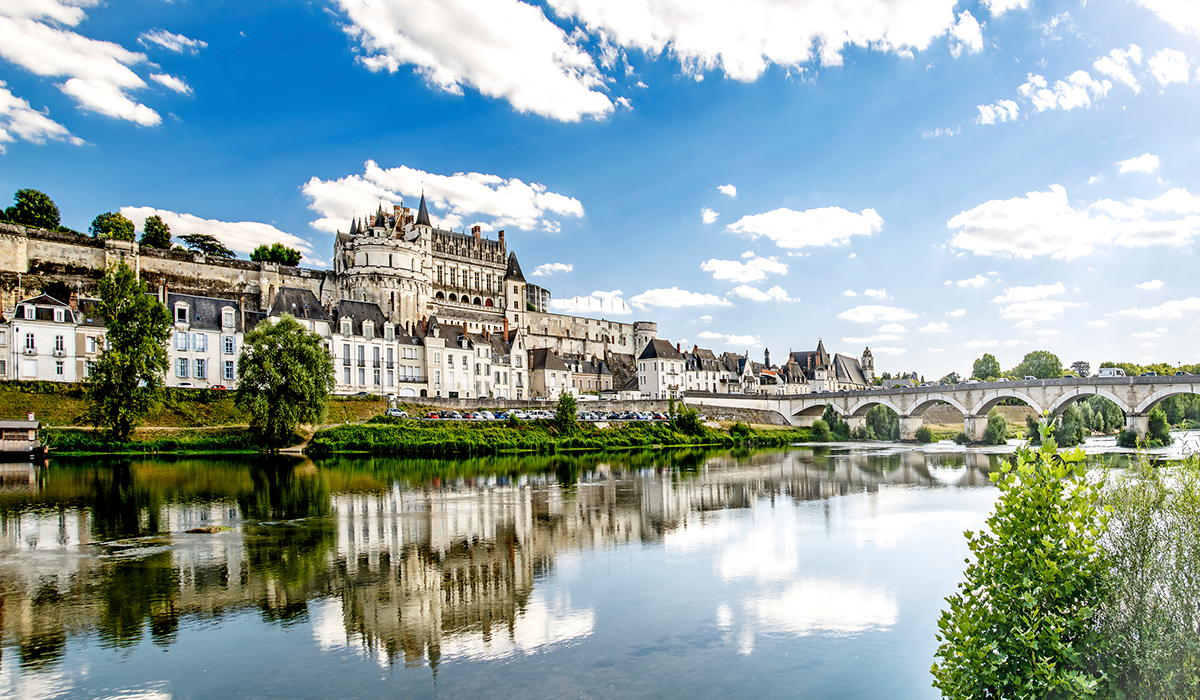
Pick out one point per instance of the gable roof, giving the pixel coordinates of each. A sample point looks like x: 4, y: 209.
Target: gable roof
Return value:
x: 659, y: 348
x: 359, y: 312
x: 848, y: 370
x: 300, y: 303
x: 204, y: 312
x: 543, y: 358
x: 514, y: 269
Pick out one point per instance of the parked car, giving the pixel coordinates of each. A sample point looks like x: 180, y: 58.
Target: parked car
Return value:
x: 485, y: 415
x: 1182, y: 374
x: 518, y: 413
x: 361, y: 393
x: 500, y: 415
x: 221, y: 387
x: 396, y: 413
x: 1030, y: 378
x: 184, y: 385
x: 433, y: 415
x: 1149, y: 374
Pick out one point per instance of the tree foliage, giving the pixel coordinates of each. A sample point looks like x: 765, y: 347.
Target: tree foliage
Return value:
x: 276, y: 253
x: 564, y: 413
x: 1021, y: 624
x: 112, y: 225
x: 207, y: 245
x: 127, y: 377
x: 951, y: 378
x: 285, y: 375
x: 1083, y: 369
x: 924, y: 434
x: 837, y: 427
x: 986, y: 367
x: 820, y: 431
x: 1041, y: 364
x: 155, y: 233
x: 996, y: 432
x: 34, y: 208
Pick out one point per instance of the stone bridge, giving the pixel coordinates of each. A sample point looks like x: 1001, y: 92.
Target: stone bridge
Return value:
x: 1133, y: 395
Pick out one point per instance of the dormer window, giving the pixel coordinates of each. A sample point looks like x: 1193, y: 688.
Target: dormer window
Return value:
x: 60, y: 315
x: 388, y: 333
x: 181, y: 313
x: 346, y: 327
x: 227, y: 318
x: 368, y: 330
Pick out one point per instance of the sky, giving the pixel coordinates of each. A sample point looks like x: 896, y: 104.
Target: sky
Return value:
x: 929, y: 178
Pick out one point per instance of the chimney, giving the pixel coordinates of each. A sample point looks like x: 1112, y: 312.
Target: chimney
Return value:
x: 505, y: 322
x: 162, y: 294
x: 242, y: 310
x: 677, y: 347
x: 501, y: 238
x: 166, y: 291
x: 475, y: 231
x: 73, y: 301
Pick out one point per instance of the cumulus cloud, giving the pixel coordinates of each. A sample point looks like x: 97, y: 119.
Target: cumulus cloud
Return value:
x: 1116, y: 65
x: 956, y: 313
x: 1041, y: 310
x: 550, y: 268
x: 935, y: 327
x: 597, y: 303
x: 499, y: 202
x: 870, y: 313
x: 239, y: 236
x: 736, y: 341
x: 754, y: 270
x: 892, y: 328
x: 940, y: 131
x: 38, y: 38
x: 728, y: 189
x: 171, y: 82
x: 1001, y: 111
x: 775, y: 293
x: 1180, y: 14
x: 705, y: 318
x: 1077, y: 90
x: 20, y: 121
x: 876, y: 293
x: 974, y: 282
x: 1170, y: 309
x: 1152, y: 284
x: 676, y: 298
x: 849, y: 293
x: 503, y: 48
x: 1145, y: 163
x: 708, y: 215
x: 999, y: 7
x: 1099, y: 323
x: 171, y: 42
x: 1045, y: 223
x: 966, y: 35
x: 831, y: 226
x: 1169, y: 66
x: 1040, y: 291
x: 742, y: 39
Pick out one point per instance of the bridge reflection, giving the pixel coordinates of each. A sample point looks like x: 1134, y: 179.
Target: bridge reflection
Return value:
x: 400, y: 568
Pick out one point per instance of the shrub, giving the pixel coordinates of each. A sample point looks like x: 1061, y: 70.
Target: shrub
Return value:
x: 820, y: 431
x: 739, y: 431
x: 564, y: 413
x: 997, y: 429
x: 687, y: 421
x: 837, y: 427
x: 863, y: 433
x: 961, y: 439
x: 1032, y: 428
x: 1159, y: 432
x: 924, y: 435
x: 1127, y: 438
x: 1021, y: 624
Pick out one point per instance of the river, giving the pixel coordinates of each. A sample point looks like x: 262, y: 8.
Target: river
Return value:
x: 813, y: 572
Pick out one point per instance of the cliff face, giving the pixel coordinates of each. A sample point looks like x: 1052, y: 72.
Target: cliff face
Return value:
x: 623, y: 367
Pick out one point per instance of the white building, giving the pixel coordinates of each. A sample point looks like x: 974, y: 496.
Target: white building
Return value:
x: 206, y: 338
x: 660, y: 370
x: 39, y: 342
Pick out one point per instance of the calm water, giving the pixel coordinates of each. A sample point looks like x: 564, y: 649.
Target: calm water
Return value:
x: 798, y: 573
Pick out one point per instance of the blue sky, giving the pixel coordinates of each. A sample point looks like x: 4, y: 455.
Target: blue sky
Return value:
x: 936, y: 179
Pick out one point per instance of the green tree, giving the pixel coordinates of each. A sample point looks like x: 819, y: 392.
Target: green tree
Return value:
x: 951, y: 378
x: 924, y: 434
x: 1021, y: 624
x: 1072, y: 427
x: 564, y: 413
x: 1159, y: 432
x: 155, y: 233
x: 276, y: 253
x: 127, y: 377
x: 285, y: 375
x: 838, y: 427
x: 996, y: 432
x: 1081, y: 368
x: 884, y: 423
x: 112, y: 225
x: 34, y: 208
x: 1041, y: 364
x: 207, y: 245
x: 820, y: 431
x: 986, y: 367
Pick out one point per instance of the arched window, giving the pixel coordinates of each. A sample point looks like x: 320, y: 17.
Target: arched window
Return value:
x: 488, y: 303
x: 453, y: 297
x: 477, y: 301
x: 439, y: 295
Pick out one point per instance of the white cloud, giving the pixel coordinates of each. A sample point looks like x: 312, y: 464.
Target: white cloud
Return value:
x: 728, y: 189
x: 172, y: 82
x: 871, y: 339
x: 980, y: 344
x: 956, y: 313
x: 1169, y: 66
x: 1170, y: 309
x: 597, y: 303
x: 1145, y: 163
x: 504, y: 48
x: 675, y: 298
x: 1180, y: 14
x: 1076, y: 91
x: 172, y: 42
x: 849, y: 293
x: 1152, y: 284
x: 1116, y: 65
x: 1001, y: 111
x: 743, y: 38
x: 876, y: 293
x: 1043, y: 310
x: 892, y: 328
x: 1040, y: 291
x: 754, y: 270
x: 550, y: 268
x: 239, y: 236
x: 814, y: 227
x: 507, y: 203
x: 1099, y: 323
x: 1014, y: 341
x: 1045, y: 223
x: 999, y: 7
x: 940, y: 131
x: 868, y: 313
x: 739, y: 341
x: 97, y: 72
x: 775, y: 293
x: 705, y: 318
x: 19, y: 120
x: 974, y: 282
x: 708, y: 215
x: 1149, y: 335
x: 966, y: 35
x: 935, y: 327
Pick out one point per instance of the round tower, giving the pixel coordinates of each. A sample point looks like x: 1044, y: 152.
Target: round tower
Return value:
x: 643, y: 333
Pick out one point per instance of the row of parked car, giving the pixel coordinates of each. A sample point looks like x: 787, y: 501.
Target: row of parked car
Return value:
x: 536, y: 414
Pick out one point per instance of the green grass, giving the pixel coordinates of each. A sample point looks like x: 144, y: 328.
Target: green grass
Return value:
x: 67, y: 442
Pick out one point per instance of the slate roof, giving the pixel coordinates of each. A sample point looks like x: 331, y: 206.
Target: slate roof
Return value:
x: 89, y: 313
x: 300, y: 303
x: 659, y: 348
x: 514, y: 269
x: 543, y: 358
x: 423, y: 213
x: 44, y: 305
x: 359, y: 312
x: 204, y: 312
x: 253, y: 318
x: 848, y: 370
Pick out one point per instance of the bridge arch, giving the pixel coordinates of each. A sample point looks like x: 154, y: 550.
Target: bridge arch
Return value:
x: 1165, y: 393
x: 990, y: 399
x: 862, y: 407
x: 919, y: 408
x: 816, y: 411
x: 1082, y: 392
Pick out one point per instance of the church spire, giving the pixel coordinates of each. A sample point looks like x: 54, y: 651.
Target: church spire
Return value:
x: 423, y: 213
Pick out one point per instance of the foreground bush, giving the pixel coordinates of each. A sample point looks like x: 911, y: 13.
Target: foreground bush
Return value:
x: 924, y: 435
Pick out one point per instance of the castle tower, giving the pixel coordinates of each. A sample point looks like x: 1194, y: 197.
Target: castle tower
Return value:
x: 868, y: 366
x: 388, y: 262
x: 643, y: 333
x: 514, y: 294
x: 767, y: 357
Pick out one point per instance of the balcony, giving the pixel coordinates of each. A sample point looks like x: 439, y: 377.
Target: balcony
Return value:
x: 30, y: 351
x: 345, y: 361
x: 362, y: 362
x: 59, y: 352
x: 390, y: 364
x: 375, y: 364
x: 411, y: 380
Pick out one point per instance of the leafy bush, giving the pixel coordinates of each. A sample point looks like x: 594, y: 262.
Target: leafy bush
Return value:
x: 1127, y: 438
x: 997, y: 429
x: 739, y: 431
x: 820, y: 431
x: 1032, y: 430
x: 863, y: 433
x: 837, y: 427
x: 564, y: 413
x: 924, y: 434
x: 961, y: 439
x: 1021, y: 624
x: 687, y: 421
x: 1159, y: 432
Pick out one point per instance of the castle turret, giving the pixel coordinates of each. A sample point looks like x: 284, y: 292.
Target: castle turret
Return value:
x: 868, y: 366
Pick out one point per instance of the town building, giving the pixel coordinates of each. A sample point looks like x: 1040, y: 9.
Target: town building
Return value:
x: 660, y: 370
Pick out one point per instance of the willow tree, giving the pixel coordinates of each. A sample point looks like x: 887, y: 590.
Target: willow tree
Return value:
x: 128, y: 375
x: 285, y: 375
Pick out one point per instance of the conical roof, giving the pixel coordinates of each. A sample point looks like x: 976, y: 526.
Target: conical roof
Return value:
x: 514, y: 269
x: 354, y: 227
x: 380, y: 221
x: 423, y: 213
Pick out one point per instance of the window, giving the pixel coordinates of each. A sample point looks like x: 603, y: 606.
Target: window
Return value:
x: 59, y: 344
x: 362, y: 359
x: 181, y: 341
x: 201, y: 368
x: 229, y: 370
x: 389, y: 357
x: 59, y: 315
x: 347, y: 378
x: 362, y: 376
x: 3, y: 337
x: 29, y: 341
x: 3, y: 368
x: 346, y: 327
x: 227, y: 318
x: 229, y: 344
x: 181, y: 314
x: 181, y: 367
x: 390, y: 378
x: 388, y: 333
x: 376, y: 377
x: 346, y: 356
x: 200, y: 342
x: 369, y: 330
x: 375, y: 357
x: 497, y: 381
x: 518, y: 360
x: 91, y: 343
x: 449, y: 360
x: 58, y: 368
x: 437, y: 358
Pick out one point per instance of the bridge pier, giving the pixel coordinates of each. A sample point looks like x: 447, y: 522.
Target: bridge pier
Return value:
x: 975, y: 427
x: 909, y: 425
x: 856, y: 422
x: 1139, y: 422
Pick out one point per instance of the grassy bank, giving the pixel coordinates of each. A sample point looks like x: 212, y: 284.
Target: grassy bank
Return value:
x: 455, y: 438
x: 68, y: 442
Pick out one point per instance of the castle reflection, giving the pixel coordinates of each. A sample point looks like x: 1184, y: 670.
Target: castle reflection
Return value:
x: 401, y: 560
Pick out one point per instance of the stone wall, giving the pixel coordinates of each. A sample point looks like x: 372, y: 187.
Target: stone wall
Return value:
x: 576, y: 335
x: 511, y: 404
